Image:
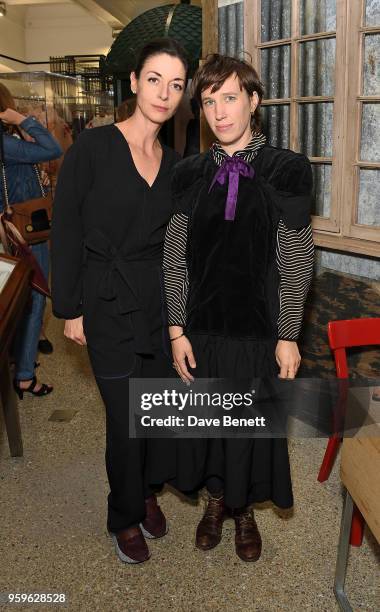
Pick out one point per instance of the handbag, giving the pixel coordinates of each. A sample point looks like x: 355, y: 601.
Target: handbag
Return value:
x: 32, y: 218
x: 14, y: 244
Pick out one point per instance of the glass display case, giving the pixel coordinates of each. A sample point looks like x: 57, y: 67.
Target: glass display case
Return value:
x: 64, y: 104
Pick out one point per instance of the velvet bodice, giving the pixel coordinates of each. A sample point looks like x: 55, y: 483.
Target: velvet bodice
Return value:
x: 233, y: 277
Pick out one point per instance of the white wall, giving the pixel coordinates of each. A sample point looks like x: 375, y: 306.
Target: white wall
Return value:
x: 12, y: 38
x: 37, y: 32
x: 63, y: 29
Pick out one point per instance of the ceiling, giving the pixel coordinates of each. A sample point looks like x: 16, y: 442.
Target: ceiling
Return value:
x: 116, y: 13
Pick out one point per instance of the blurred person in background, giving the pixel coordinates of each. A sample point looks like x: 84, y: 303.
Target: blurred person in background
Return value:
x: 26, y: 143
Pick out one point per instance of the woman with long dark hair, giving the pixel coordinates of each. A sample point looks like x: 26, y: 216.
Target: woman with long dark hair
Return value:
x: 111, y: 209
x: 238, y: 264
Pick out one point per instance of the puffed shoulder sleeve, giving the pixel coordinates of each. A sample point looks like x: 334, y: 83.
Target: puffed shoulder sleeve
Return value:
x: 185, y: 184
x: 291, y: 184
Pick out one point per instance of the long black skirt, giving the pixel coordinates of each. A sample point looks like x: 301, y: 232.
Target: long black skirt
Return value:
x: 252, y: 469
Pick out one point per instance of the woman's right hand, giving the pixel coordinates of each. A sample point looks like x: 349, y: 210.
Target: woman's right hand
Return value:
x: 182, y: 350
x: 12, y: 117
x: 74, y: 331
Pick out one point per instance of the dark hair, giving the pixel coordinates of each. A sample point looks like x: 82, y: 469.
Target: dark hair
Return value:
x: 158, y: 46
x: 217, y: 69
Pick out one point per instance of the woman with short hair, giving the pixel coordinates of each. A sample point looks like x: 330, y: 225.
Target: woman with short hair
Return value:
x: 238, y: 262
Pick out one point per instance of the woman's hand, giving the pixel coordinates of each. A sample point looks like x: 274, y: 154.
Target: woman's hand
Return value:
x: 182, y: 350
x: 27, y: 136
x: 12, y: 117
x: 288, y: 358
x: 74, y: 331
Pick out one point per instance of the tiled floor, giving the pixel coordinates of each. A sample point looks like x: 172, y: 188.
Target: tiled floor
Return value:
x: 54, y: 539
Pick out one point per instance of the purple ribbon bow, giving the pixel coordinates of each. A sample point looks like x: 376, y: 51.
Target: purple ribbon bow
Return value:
x: 232, y: 167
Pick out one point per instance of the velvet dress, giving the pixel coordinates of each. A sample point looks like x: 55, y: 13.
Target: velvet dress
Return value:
x: 233, y: 305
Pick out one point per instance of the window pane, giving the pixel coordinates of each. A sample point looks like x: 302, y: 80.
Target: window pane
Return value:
x: 231, y: 29
x: 321, y: 189
x: 371, y: 76
x: 370, y: 141
x: 275, y: 71
x: 368, y: 205
x: 372, y: 13
x: 317, y: 16
x: 275, y: 19
x: 315, y: 129
x: 317, y: 67
x: 275, y: 124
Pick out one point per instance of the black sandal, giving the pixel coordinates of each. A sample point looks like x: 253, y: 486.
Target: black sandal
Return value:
x: 45, y: 389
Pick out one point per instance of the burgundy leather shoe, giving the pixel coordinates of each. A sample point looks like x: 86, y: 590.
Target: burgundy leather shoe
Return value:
x: 130, y: 545
x: 209, y: 530
x: 247, y: 537
x: 154, y: 525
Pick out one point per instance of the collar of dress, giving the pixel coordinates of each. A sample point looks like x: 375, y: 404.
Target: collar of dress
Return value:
x: 230, y: 169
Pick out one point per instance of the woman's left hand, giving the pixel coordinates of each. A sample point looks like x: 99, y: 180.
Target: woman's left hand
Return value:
x: 288, y: 358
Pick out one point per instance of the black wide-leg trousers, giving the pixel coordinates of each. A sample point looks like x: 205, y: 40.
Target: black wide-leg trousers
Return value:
x: 127, y: 458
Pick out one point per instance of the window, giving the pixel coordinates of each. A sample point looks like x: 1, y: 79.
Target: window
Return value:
x: 362, y: 165
x: 320, y: 63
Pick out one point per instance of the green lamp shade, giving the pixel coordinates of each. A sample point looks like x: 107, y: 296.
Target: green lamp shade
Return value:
x: 183, y: 22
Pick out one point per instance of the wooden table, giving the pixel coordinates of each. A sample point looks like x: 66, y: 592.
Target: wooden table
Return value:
x: 360, y: 474
x: 13, y: 299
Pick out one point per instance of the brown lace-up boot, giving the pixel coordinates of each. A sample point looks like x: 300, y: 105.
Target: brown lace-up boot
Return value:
x: 247, y: 537
x: 209, y: 530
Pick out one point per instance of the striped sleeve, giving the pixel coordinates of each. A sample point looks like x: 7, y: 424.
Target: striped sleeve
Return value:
x: 175, y: 269
x: 295, y: 258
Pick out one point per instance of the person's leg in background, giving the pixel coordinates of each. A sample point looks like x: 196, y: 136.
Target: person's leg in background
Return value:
x: 25, y: 346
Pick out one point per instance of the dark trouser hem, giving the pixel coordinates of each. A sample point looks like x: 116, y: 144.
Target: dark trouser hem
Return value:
x: 127, y: 458
x: 130, y: 511
x: 113, y: 530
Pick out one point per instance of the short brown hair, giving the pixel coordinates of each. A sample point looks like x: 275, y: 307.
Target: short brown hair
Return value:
x: 217, y: 69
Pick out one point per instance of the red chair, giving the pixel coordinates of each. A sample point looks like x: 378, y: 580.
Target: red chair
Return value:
x: 342, y: 335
